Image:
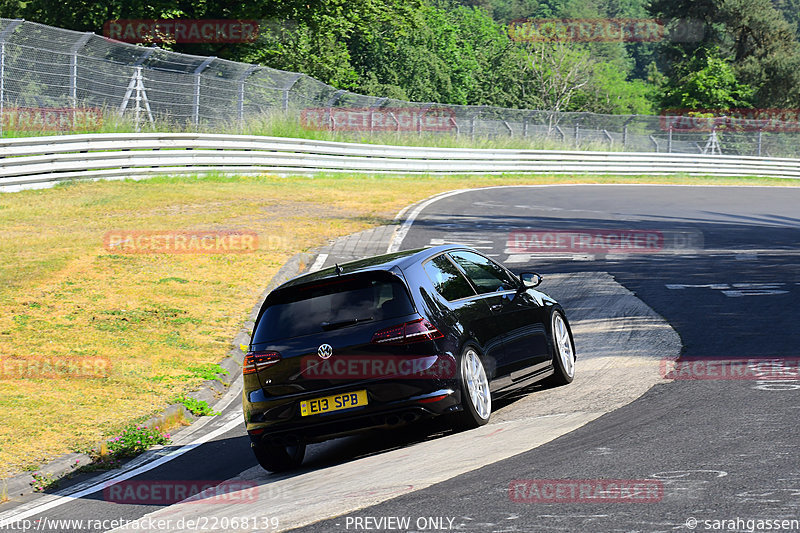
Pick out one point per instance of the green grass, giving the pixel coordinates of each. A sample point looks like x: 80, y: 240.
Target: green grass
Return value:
x: 196, y: 407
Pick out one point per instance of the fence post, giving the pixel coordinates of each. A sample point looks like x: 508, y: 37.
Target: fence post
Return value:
x: 6, y: 32
x: 73, y: 68
x: 669, y: 140
x: 138, y: 97
x: 455, y: 125
x: 576, y: 134
x: 240, y: 102
x: 625, y: 131
x: 331, y: 102
x: 240, y: 105
x: 196, y: 108
x: 610, y: 139
x: 2, y: 84
x: 655, y: 142
x: 421, y: 117
x: 378, y: 103
x: 396, y: 122
x: 287, y: 90
x: 137, y: 84
x: 196, y: 105
x: 759, y: 141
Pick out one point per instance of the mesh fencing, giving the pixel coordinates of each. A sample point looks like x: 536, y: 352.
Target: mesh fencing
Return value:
x: 45, y: 68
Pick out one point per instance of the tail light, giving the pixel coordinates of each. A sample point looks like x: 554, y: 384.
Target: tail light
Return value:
x: 415, y: 331
x: 256, y: 361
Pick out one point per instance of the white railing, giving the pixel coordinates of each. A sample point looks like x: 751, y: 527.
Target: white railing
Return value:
x: 42, y: 161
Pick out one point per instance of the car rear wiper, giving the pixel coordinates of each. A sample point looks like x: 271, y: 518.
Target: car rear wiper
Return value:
x: 327, y: 326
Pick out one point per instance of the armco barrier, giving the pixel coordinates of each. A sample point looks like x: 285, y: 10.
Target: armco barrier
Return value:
x: 41, y: 161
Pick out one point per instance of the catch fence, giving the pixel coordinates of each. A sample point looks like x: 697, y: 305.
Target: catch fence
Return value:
x: 56, y: 79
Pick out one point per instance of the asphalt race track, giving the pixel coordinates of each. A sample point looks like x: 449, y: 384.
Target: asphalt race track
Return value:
x: 709, y: 442
x: 724, y: 449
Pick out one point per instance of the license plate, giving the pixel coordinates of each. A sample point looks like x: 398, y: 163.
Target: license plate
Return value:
x: 337, y: 402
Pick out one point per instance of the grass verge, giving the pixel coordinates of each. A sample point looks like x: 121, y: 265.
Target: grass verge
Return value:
x: 163, y: 321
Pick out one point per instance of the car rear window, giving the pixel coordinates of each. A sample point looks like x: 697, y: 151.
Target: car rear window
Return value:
x: 332, y: 304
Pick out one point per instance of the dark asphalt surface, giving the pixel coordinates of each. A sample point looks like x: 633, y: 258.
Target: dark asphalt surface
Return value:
x: 721, y: 449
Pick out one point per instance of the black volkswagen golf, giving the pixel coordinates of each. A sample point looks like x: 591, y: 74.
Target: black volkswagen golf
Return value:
x: 392, y: 339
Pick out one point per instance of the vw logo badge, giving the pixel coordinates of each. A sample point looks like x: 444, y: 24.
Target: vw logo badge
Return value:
x: 325, y: 351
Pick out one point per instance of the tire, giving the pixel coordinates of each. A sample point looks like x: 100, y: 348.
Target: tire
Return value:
x: 563, y: 351
x: 476, y: 398
x: 279, y: 458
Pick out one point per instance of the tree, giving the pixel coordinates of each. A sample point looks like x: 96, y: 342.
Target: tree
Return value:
x: 751, y: 35
x: 556, y: 72
x: 765, y: 51
x: 428, y: 57
x: 610, y: 92
x: 791, y: 12
x: 706, y: 81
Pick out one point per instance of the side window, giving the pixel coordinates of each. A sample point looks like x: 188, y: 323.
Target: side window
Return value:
x: 447, y: 280
x: 486, y: 275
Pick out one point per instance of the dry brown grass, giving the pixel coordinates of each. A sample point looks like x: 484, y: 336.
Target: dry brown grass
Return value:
x: 162, y: 320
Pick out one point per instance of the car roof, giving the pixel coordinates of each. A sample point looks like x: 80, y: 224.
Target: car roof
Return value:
x: 385, y: 262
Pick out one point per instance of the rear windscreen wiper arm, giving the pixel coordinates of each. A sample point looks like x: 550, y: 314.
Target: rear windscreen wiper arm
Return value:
x: 342, y: 323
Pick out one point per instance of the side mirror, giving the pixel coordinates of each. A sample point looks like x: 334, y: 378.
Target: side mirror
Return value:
x: 530, y: 279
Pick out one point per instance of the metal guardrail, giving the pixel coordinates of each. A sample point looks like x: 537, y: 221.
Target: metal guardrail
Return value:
x: 42, y: 161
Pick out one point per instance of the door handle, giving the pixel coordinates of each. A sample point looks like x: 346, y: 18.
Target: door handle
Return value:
x: 496, y: 307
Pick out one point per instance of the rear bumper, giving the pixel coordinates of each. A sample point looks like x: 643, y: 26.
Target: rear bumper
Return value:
x: 292, y: 428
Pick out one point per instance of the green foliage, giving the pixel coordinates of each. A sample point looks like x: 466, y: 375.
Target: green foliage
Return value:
x: 764, y: 50
x: 436, y: 56
x: 196, y: 407
x: 302, y: 48
x: 43, y: 481
x: 791, y: 12
x: 459, y: 51
x: 751, y: 36
x: 421, y: 50
x: 135, y: 440
x: 92, y: 14
x: 172, y: 279
x: 610, y: 92
x: 706, y: 81
x: 207, y: 371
